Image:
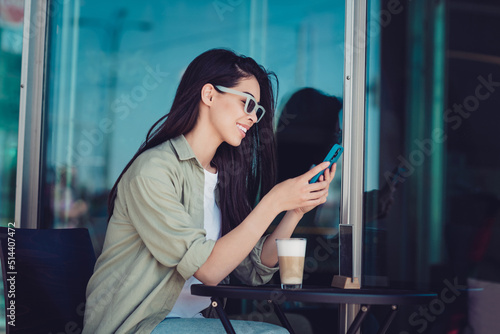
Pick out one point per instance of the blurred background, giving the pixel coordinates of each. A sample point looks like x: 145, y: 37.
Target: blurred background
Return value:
x: 432, y: 150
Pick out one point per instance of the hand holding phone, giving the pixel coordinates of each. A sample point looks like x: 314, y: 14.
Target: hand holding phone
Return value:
x: 332, y: 157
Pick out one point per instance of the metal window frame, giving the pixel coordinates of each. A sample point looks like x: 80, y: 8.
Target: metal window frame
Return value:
x: 354, y: 138
x: 30, y: 113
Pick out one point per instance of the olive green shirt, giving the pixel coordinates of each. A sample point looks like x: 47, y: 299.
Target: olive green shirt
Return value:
x: 154, y: 242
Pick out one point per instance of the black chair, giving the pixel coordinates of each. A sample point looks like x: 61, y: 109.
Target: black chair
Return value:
x: 45, y: 275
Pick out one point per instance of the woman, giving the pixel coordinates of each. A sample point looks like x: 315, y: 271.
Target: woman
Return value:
x: 182, y: 211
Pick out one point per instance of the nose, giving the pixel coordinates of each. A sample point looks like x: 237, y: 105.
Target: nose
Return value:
x: 253, y: 117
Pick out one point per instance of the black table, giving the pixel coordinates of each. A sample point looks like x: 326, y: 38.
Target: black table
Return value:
x: 275, y: 295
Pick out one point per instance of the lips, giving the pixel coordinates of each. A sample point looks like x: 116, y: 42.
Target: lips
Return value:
x: 242, y: 128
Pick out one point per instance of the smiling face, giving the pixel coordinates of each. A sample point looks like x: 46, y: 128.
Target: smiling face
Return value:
x: 227, y: 113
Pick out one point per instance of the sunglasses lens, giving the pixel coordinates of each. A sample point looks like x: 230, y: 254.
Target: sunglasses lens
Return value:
x: 251, y: 106
x: 259, y: 113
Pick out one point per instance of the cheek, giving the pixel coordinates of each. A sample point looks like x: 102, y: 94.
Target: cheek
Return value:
x: 223, y: 117
x: 235, y: 110
x: 219, y: 111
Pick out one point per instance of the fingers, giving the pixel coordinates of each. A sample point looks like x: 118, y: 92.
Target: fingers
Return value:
x: 321, y: 184
x: 327, y: 176
x: 330, y: 173
x: 319, y: 190
x: 333, y: 169
x: 317, y: 200
x: 311, y: 194
x: 314, y: 195
x: 315, y: 170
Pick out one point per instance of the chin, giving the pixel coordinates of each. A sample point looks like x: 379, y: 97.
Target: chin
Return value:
x: 234, y: 142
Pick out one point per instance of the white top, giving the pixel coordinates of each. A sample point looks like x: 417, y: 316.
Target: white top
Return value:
x: 187, y: 305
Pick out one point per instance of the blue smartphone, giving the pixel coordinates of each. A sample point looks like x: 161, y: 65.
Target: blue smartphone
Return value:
x: 332, y: 156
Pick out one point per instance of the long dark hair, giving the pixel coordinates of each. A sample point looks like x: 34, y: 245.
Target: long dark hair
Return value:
x: 246, y: 172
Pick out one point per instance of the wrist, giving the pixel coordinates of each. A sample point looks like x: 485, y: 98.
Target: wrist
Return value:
x: 295, y: 214
x: 271, y: 205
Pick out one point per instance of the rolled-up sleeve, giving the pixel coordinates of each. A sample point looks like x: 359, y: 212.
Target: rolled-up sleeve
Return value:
x: 165, y: 226
x: 251, y: 270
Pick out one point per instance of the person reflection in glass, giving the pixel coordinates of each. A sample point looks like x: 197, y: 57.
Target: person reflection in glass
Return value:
x: 309, y: 125
x: 69, y: 208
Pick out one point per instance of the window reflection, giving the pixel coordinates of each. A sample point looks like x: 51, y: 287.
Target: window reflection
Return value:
x: 11, y: 37
x: 429, y: 66
x: 113, y: 69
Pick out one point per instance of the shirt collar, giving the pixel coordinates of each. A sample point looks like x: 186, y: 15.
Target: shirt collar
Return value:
x: 182, y: 148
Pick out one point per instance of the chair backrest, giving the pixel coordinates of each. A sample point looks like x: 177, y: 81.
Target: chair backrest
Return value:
x: 45, y: 275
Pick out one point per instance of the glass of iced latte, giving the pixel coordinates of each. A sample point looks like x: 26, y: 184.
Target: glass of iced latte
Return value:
x: 291, y: 253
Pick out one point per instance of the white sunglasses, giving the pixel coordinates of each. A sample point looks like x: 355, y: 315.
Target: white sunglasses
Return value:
x: 251, y: 104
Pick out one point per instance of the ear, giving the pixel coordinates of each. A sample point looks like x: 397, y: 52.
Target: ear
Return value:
x: 207, y: 94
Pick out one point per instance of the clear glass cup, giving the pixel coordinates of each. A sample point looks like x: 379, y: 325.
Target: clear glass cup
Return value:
x: 291, y: 254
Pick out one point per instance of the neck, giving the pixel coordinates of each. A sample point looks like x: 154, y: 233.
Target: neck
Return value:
x: 204, y: 145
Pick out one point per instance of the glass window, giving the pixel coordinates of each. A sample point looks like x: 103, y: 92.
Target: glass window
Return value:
x: 11, y: 37
x: 405, y: 145
x: 11, y: 41
x: 112, y: 71
x: 431, y: 213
